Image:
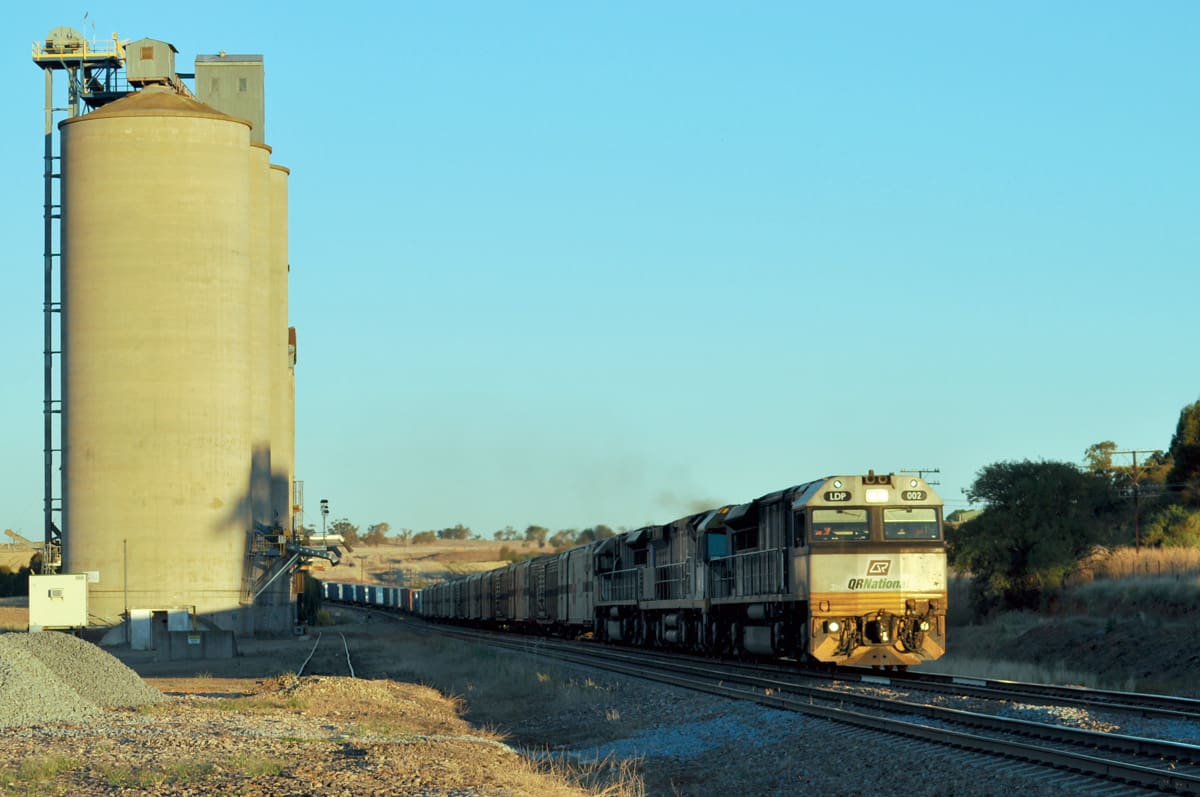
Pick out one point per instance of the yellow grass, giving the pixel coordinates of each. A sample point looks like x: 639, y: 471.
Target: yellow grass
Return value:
x: 401, y: 564
x: 1126, y: 562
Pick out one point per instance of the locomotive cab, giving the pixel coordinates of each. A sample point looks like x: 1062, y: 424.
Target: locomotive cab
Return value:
x: 876, y: 568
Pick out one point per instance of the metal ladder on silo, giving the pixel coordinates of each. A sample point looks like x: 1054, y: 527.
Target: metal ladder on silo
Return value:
x: 92, y: 79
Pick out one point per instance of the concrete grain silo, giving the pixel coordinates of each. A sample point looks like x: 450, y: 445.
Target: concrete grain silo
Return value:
x: 279, y: 375
x: 234, y: 84
x: 260, y: 318
x: 159, y: 421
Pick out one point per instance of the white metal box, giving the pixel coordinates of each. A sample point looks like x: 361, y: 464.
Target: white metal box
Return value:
x: 58, y: 601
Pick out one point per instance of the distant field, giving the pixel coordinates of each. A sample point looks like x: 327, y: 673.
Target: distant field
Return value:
x: 398, y: 563
x: 14, y: 614
x: 14, y: 557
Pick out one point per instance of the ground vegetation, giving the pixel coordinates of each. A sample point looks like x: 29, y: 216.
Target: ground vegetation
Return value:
x: 1042, y: 521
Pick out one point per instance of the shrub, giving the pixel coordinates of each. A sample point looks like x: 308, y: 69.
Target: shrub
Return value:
x: 1174, y: 525
x: 508, y: 554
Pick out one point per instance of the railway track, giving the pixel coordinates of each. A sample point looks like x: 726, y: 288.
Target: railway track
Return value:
x: 1143, y: 705
x: 340, y: 658
x: 1009, y: 693
x: 1098, y: 761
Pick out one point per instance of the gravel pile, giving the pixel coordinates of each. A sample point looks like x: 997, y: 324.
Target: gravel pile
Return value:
x: 53, y: 677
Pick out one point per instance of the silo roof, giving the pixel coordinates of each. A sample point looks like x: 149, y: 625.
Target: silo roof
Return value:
x: 156, y: 101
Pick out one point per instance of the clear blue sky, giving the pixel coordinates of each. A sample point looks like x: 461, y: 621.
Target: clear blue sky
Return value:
x: 579, y: 263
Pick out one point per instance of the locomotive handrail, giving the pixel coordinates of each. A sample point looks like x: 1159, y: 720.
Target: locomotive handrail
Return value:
x: 745, y: 574
x: 672, y: 581
x: 620, y: 585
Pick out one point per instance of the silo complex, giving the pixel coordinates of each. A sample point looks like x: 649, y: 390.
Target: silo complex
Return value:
x: 174, y: 390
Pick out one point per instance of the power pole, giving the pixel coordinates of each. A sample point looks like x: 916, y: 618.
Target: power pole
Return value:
x: 920, y: 473
x: 1137, y: 475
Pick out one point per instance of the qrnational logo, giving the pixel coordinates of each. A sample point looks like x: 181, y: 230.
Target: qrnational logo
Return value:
x: 877, y: 577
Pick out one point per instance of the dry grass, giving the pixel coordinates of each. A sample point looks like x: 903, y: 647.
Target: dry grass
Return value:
x: 398, y: 563
x: 14, y: 557
x: 1152, y: 597
x: 609, y: 777
x: 14, y: 618
x: 1138, y: 608
x: 491, y: 687
x: 498, y: 683
x: 984, y: 652
x: 1125, y: 562
x: 37, y: 775
x: 1026, y: 671
x: 176, y: 773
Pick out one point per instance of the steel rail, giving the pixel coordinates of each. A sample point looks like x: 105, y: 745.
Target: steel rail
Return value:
x: 1144, y: 705
x: 346, y: 646
x: 317, y: 644
x: 1138, y: 703
x: 308, y: 658
x: 775, y: 694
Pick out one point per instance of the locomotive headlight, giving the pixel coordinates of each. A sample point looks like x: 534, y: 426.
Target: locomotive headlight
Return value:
x: 912, y: 482
x: 877, y: 496
x: 833, y: 626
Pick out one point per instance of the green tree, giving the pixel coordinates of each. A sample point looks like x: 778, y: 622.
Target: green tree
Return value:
x: 1150, y: 469
x: 594, y: 533
x: 424, y: 537
x: 1174, y: 525
x: 456, y: 532
x: 604, y: 532
x: 348, y: 530
x: 1039, y: 518
x: 537, y: 534
x: 1184, y: 475
x: 507, y: 534
x: 563, y: 539
x: 1098, y: 456
x: 377, y: 533
x: 513, y: 555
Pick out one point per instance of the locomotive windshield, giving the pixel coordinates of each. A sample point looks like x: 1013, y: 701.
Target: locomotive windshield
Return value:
x: 830, y: 525
x: 910, y: 523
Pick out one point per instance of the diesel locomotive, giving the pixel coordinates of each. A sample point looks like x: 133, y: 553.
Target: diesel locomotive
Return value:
x: 847, y: 570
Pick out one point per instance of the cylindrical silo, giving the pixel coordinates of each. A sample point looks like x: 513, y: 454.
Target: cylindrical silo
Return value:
x: 260, y: 314
x: 157, y: 434
x: 275, y: 606
x: 279, y: 379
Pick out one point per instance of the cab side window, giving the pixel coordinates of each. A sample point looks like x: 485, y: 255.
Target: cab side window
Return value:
x: 798, y: 529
